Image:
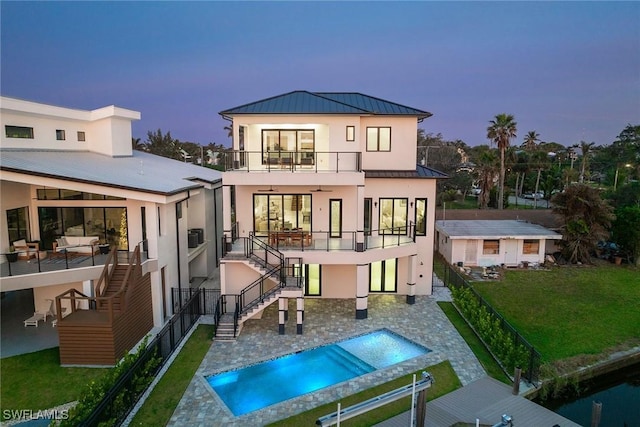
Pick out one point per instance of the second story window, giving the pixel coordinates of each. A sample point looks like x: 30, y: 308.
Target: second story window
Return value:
x: 81, y: 136
x: 18, y: 132
x: 60, y: 135
x: 378, y: 139
x: 351, y: 133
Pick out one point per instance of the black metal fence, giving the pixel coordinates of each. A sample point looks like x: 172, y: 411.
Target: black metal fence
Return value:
x: 119, y: 400
x: 532, y: 370
x: 208, y: 298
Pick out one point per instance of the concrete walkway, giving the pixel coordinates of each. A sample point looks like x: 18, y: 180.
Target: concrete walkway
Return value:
x: 326, y: 321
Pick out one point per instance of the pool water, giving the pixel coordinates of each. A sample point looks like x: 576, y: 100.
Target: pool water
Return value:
x: 257, y: 386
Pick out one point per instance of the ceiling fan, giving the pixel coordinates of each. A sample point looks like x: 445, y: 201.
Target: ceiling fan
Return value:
x: 269, y: 190
x: 320, y: 190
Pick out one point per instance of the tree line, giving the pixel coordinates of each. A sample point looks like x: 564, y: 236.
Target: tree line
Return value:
x: 594, y: 189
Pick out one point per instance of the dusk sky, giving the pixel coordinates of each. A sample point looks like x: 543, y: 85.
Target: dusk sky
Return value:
x: 568, y: 70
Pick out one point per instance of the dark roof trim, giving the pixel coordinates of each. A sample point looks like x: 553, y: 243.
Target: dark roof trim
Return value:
x: 121, y: 187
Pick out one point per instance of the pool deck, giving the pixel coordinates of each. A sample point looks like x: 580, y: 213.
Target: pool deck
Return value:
x: 326, y: 321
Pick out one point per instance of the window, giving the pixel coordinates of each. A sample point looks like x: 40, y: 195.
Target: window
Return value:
x: 18, y: 132
x: 531, y: 247
x: 107, y: 224
x: 276, y: 212
x: 285, y: 147
x: 378, y: 139
x: 368, y: 215
x: 60, y: 135
x: 62, y: 194
x: 393, y: 216
x: 491, y: 247
x: 383, y: 275
x: 351, y: 133
x: 421, y: 212
x: 18, y: 224
x: 311, y: 278
x: 81, y: 136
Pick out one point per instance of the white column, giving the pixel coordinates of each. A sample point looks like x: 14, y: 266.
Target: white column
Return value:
x: 157, y: 299
x: 283, y: 306
x: 87, y: 289
x: 362, y: 290
x: 360, y: 218
x: 411, y: 279
x: 299, y: 315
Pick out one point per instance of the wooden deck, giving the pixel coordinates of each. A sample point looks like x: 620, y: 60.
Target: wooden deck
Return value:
x: 487, y: 400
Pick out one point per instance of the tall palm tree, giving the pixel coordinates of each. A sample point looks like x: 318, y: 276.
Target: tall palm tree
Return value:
x: 502, y: 129
x: 486, y: 170
x: 585, y: 147
x: 530, y: 140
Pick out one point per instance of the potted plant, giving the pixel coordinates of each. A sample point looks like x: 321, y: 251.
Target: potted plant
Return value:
x: 12, y: 255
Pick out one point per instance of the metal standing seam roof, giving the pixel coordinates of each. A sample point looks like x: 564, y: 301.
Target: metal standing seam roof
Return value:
x: 304, y: 102
x: 493, y: 229
x: 141, y: 171
x: 420, y: 172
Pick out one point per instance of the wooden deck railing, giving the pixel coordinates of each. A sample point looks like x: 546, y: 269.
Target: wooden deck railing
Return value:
x: 101, y: 301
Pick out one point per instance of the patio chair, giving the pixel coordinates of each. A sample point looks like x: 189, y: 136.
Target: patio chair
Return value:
x: 39, y: 315
x: 26, y: 250
x: 33, y: 320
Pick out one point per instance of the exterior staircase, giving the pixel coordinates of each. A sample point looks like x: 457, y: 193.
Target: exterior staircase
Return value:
x: 115, y: 283
x: 273, y: 282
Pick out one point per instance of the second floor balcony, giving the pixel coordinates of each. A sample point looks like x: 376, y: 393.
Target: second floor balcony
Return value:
x: 290, y: 161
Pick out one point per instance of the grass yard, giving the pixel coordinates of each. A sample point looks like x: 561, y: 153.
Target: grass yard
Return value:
x: 164, y: 398
x: 445, y: 382
x: 37, y: 381
x: 570, y: 311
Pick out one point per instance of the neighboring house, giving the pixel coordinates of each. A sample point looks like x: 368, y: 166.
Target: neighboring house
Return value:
x: 72, y: 174
x: 493, y: 242
x: 323, y: 194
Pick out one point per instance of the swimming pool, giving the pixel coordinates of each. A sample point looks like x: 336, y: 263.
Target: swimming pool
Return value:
x: 257, y: 386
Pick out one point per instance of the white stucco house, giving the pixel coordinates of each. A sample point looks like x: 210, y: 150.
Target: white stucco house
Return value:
x: 493, y: 242
x: 323, y: 192
x: 69, y: 173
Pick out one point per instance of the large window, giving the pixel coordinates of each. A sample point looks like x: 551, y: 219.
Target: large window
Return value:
x: 62, y: 194
x: 421, y: 220
x: 531, y: 247
x: 18, y: 224
x: 393, y: 216
x: 491, y: 247
x: 109, y: 225
x: 18, y: 132
x: 383, y: 276
x: 378, y: 139
x: 284, y: 147
x: 276, y: 212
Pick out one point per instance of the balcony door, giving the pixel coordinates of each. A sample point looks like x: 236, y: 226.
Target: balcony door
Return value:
x: 335, y: 217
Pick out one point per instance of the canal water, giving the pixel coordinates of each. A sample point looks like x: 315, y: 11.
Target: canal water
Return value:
x: 619, y: 394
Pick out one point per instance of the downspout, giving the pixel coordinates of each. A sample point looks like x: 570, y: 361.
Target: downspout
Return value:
x: 178, y: 248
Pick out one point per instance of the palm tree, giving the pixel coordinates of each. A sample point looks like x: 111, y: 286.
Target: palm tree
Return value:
x: 585, y: 147
x: 530, y: 140
x: 486, y: 169
x: 502, y: 129
x: 136, y: 144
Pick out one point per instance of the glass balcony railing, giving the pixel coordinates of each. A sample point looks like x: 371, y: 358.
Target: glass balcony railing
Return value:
x: 290, y: 161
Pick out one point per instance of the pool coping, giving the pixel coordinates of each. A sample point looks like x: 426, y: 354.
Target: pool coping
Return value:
x: 374, y: 369
x: 326, y: 322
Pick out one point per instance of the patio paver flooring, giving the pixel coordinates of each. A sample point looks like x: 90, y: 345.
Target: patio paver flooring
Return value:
x: 326, y: 321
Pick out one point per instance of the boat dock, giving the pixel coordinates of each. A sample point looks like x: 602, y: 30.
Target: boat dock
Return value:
x: 486, y: 400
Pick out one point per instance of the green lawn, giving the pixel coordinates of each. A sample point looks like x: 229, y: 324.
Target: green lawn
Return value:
x: 570, y: 311
x: 445, y: 381
x: 37, y: 381
x: 164, y: 398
